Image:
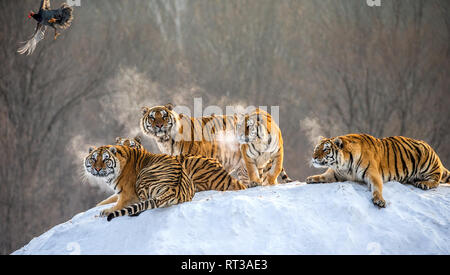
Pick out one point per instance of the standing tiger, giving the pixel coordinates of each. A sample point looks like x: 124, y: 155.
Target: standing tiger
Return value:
x: 177, y: 134
x: 361, y: 157
x: 261, y: 147
x: 142, y: 180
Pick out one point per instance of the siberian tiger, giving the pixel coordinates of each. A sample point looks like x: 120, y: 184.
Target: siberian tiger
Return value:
x: 130, y: 142
x: 142, y: 180
x: 210, y: 136
x: 261, y: 146
x: 136, y: 143
x: 361, y: 157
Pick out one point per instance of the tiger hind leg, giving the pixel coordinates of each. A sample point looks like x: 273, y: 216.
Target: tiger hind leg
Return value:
x: 429, y: 181
x: 445, y: 178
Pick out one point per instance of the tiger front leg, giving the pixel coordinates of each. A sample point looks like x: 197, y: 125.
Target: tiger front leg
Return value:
x: 376, y: 184
x: 109, y: 200
x: 327, y: 177
x: 253, y: 173
x: 250, y: 165
x: 275, y: 171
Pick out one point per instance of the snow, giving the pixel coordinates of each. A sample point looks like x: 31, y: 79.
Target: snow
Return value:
x: 294, y: 218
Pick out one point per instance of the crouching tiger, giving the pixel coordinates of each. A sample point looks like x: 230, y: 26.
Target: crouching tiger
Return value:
x: 361, y: 157
x: 142, y: 180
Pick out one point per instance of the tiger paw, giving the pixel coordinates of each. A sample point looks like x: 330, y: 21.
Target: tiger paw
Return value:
x: 425, y: 185
x: 422, y: 186
x: 252, y: 184
x: 312, y: 180
x: 381, y: 203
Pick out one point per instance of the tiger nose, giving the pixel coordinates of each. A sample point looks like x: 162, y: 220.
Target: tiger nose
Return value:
x: 159, y: 125
x: 98, y: 169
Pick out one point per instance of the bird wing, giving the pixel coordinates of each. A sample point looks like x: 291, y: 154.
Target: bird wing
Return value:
x: 30, y: 45
x: 45, y: 5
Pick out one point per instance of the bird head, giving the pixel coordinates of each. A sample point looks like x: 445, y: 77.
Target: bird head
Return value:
x: 31, y: 14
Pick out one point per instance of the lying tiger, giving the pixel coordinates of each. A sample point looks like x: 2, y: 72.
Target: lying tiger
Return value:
x: 142, y: 180
x: 361, y: 157
x: 136, y: 143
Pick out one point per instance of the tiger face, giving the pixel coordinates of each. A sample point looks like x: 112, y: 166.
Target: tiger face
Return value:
x: 130, y: 142
x: 102, y: 164
x: 250, y: 129
x: 327, y: 153
x: 158, y: 121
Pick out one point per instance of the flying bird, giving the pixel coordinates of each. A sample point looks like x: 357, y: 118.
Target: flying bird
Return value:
x: 61, y: 18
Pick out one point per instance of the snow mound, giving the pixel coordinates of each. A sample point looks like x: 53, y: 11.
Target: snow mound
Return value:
x: 293, y: 218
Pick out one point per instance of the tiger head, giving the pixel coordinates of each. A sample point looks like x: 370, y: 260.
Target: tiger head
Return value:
x: 103, y: 164
x: 328, y: 152
x: 252, y: 128
x: 159, y: 121
x: 130, y: 142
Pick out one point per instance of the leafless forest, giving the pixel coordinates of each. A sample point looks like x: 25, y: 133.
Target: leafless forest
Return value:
x: 333, y: 67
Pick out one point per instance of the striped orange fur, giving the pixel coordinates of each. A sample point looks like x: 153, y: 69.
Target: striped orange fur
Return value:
x: 261, y: 147
x: 364, y: 158
x: 143, y: 180
x: 177, y: 134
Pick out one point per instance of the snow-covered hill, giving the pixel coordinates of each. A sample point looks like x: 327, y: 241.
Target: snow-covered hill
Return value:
x: 286, y: 219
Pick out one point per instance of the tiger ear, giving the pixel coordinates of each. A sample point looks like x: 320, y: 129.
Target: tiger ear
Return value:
x: 118, y: 140
x: 138, y: 139
x: 339, y: 142
x: 144, y: 110
x: 91, y: 149
x: 113, y: 150
x: 169, y: 106
x: 319, y: 139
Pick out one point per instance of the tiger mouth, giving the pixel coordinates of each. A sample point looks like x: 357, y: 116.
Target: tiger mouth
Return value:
x: 102, y: 174
x: 318, y: 164
x: 156, y: 132
x: 160, y: 133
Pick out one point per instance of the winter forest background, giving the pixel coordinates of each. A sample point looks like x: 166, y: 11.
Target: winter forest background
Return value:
x: 333, y: 67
